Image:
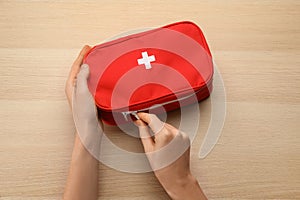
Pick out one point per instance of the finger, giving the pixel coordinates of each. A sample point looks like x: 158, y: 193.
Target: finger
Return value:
x: 153, y: 121
x: 81, y: 55
x: 77, y: 63
x: 145, y: 135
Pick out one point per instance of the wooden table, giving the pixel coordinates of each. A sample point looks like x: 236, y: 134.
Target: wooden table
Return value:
x: 255, y: 44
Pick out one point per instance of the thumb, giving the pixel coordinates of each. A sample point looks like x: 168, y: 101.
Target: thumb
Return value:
x: 82, y: 76
x: 152, y: 120
x: 84, y: 72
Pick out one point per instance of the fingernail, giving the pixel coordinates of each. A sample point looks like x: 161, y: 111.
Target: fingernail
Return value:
x: 135, y: 115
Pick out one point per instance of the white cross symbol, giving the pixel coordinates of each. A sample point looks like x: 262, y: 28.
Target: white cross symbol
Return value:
x: 146, y: 60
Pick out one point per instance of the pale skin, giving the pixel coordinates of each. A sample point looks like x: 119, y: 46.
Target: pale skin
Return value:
x: 176, y: 178
x: 82, y: 182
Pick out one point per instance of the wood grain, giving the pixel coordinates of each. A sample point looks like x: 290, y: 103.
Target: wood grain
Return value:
x: 255, y: 44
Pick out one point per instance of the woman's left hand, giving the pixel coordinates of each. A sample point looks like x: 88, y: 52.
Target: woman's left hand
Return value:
x: 71, y: 81
x: 82, y: 182
x: 83, y: 106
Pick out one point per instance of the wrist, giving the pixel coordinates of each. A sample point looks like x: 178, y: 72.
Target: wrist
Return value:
x: 187, y: 188
x: 80, y: 152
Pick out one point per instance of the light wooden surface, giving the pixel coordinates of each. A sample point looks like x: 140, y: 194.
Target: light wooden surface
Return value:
x: 255, y: 44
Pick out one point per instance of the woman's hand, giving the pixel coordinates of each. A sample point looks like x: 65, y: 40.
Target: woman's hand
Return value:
x: 176, y: 178
x: 83, y: 105
x: 82, y: 182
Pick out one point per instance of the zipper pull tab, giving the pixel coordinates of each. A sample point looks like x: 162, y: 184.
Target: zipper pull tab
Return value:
x: 134, y: 113
x: 125, y: 115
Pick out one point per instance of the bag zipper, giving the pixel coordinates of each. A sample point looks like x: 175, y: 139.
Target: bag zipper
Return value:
x: 134, y: 112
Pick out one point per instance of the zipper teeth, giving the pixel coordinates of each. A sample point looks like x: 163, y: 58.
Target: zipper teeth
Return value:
x: 138, y: 35
x: 143, y: 33
x: 134, y: 112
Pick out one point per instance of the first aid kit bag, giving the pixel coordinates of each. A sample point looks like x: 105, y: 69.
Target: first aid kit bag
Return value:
x: 166, y: 67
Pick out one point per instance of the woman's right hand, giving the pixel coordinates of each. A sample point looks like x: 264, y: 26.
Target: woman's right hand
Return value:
x: 176, y: 178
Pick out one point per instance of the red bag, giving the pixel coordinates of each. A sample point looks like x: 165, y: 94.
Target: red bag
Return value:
x: 169, y: 66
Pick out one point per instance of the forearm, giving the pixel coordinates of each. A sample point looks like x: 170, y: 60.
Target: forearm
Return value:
x: 82, y: 182
x: 187, y: 189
